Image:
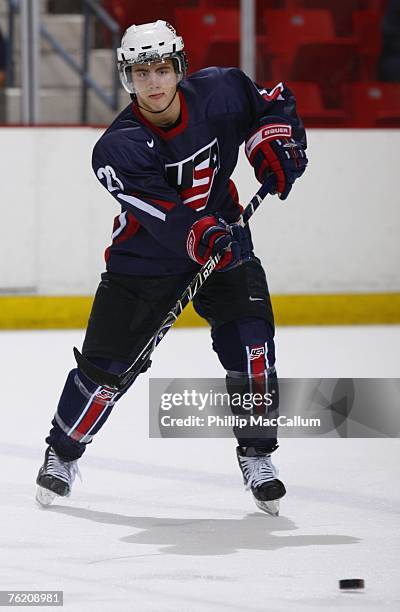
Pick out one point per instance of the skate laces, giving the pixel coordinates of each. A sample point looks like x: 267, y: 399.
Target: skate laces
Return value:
x: 258, y: 470
x: 64, y: 470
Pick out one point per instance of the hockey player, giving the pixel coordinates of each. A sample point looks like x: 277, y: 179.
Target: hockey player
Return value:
x: 167, y: 160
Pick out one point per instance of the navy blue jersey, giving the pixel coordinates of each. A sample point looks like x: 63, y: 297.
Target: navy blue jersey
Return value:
x: 166, y: 180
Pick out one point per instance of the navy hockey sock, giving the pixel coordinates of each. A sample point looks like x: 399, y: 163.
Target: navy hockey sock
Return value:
x: 246, y: 349
x: 82, y: 410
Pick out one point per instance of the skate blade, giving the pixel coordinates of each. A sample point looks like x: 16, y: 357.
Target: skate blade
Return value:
x: 269, y: 507
x: 44, y: 497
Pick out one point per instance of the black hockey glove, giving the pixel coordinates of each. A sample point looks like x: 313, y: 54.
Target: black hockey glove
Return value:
x: 210, y: 235
x: 271, y: 149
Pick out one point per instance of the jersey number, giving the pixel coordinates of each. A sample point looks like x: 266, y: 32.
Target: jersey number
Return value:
x: 113, y: 183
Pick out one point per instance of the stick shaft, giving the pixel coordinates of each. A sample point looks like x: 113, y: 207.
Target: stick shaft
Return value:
x: 122, y: 381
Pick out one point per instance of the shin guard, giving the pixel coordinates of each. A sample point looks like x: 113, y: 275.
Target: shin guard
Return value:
x: 82, y: 410
x: 246, y: 349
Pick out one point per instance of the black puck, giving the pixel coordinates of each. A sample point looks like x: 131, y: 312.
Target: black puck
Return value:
x: 351, y: 583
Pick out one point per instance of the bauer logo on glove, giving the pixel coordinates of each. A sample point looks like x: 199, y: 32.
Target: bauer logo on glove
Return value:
x: 273, y: 150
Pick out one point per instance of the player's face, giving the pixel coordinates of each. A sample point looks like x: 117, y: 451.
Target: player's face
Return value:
x: 155, y: 84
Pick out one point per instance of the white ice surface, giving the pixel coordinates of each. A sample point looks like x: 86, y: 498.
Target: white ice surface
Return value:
x: 166, y: 524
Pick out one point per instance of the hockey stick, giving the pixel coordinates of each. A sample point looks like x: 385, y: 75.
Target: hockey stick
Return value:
x: 120, y: 382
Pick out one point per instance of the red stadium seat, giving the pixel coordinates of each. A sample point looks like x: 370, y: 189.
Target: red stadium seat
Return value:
x: 235, y: 4
x: 330, y: 65
x: 209, y: 5
x: 260, y: 6
x: 342, y: 11
x: 367, y: 29
x: 373, y: 104
x: 227, y: 53
x: 223, y: 53
x: 286, y: 29
x: 366, y: 25
x: 201, y: 28
x: 310, y: 106
x: 127, y: 12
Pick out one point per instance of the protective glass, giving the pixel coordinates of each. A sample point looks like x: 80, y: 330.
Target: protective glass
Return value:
x: 143, y: 77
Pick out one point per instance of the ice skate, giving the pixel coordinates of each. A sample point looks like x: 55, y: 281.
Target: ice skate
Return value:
x: 55, y: 478
x: 260, y: 477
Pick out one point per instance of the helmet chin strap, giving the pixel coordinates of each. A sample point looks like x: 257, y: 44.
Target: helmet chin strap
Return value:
x: 160, y: 111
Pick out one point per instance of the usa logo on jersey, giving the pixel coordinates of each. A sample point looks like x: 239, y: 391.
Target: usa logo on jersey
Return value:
x: 194, y: 176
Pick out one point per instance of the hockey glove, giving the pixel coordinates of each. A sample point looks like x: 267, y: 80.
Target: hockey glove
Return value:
x: 271, y: 149
x: 209, y: 236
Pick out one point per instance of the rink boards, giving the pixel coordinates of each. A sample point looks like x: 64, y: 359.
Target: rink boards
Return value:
x: 331, y: 251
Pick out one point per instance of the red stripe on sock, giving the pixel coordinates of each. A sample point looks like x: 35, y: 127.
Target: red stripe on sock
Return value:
x: 90, y: 418
x: 257, y: 368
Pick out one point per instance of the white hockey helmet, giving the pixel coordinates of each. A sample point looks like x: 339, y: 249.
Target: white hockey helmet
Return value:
x: 147, y: 43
